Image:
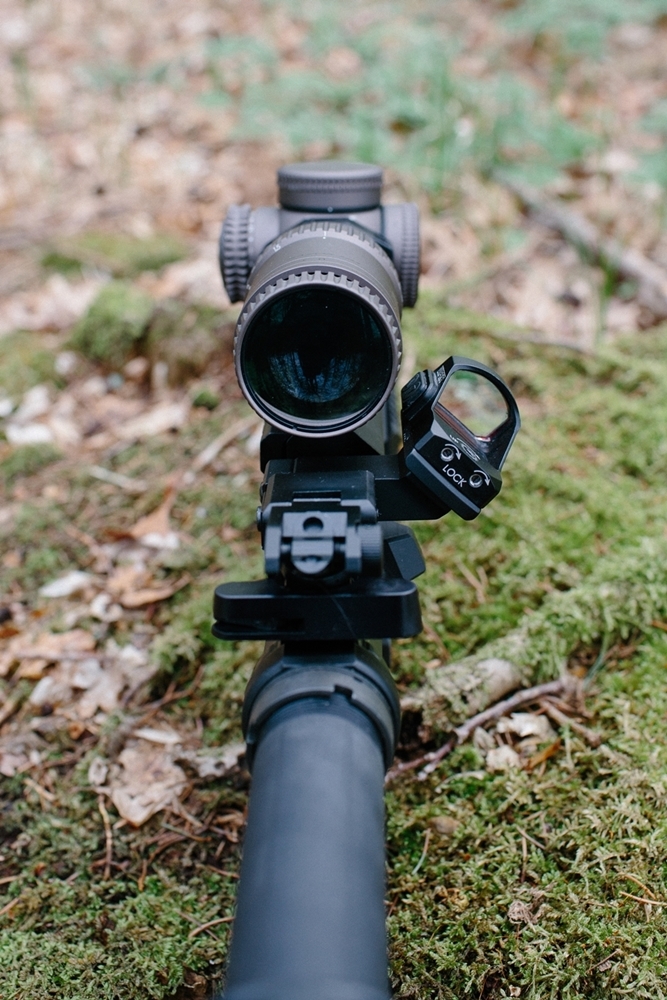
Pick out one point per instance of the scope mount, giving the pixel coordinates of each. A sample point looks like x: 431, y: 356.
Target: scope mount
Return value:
x: 339, y: 565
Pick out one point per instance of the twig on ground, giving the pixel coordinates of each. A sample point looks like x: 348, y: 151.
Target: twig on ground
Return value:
x: 534, y: 842
x: 642, y: 899
x: 44, y: 794
x: 154, y: 707
x: 108, y: 836
x: 212, y: 450
x: 125, y: 730
x: 476, y: 584
x: 8, y: 907
x: 184, y: 833
x: 633, y: 878
x: 9, y: 878
x: 8, y: 709
x: 629, y: 263
x: 603, y: 961
x: 592, y: 738
x: 141, y: 881
x: 147, y: 862
x: 118, y: 479
x: 208, y: 924
x: 431, y: 634
x: 218, y: 871
x: 427, y: 840
x: 103, y: 562
x: 565, y: 707
x: 467, y: 728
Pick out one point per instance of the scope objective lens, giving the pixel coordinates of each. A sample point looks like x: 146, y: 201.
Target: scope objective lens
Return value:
x: 317, y: 345
x: 316, y: 354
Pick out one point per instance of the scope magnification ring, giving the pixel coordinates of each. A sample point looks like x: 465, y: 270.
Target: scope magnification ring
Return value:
x: 352, y: 279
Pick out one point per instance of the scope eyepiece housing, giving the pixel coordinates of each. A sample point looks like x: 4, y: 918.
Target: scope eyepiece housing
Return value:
x: 323, y: 279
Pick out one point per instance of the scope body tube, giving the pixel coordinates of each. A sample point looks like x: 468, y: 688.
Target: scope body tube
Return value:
x: 310, y: 919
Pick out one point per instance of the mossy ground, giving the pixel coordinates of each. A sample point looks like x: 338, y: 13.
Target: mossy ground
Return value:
x: 585, y: 479
x: 120, y: 255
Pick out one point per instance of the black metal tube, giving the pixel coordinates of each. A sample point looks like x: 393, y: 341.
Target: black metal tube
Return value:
x: 310, y: 920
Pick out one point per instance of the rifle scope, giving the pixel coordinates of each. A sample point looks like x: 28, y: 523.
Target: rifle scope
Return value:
x: 323, y: 280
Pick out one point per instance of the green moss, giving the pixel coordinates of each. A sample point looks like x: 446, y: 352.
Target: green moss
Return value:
x: 597, y: 816
x: 206, y: 398
x: 82, y: 937
x: 24, y: 362
x: 114, y: 325
x: 120, y: 255
x: 26, y: 460
x: 570, y: 557
x: 189, y: 339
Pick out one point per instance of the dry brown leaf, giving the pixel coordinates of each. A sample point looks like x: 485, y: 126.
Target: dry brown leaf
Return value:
x: 520, y: 913
x: 165, y: 737
x: 31, y: 670
x: 144, y: 782
x: 161, y: 418
x: 446, y: 826
x: 211, y: 764
x: 151, y: 595
x: 154, y: 529
x: 11, y: 762
x: 47, y: 647
x: 104, y: 694
x: 126, y: 578
x: 51, y: 690
x: 543, y: 755
x: 524, y: 724
x: 502, y: 758
x: 155, y: 523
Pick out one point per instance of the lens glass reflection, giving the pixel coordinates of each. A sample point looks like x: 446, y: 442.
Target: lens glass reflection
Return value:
x: 317, y: 355
x: 474, y: 401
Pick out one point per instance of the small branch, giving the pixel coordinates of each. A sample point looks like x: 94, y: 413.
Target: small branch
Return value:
x: 212, y: 450
x: 603, y: 961
x: 427, y: 840
x: 125, y: 730
x: 533, y: 840
x: 8, y: 709
x: 108, y: 834
x: 592, y: 738
x: 118, y: 479
x: 8, y: 907
x: 466, y: 729
x: 209, y: 923
x: 44, y: 794
x: 154, y: 707
x: 633, y: 878
x: 642, y: 899
x: 630, y: 264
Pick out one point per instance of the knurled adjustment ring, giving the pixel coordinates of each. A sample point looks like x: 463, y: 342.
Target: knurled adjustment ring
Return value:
x: 235, y: 251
